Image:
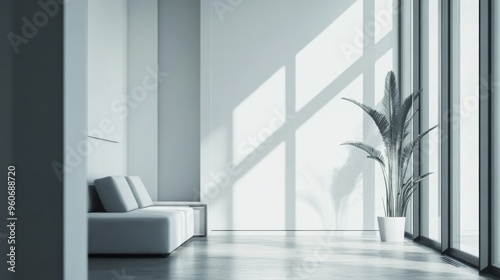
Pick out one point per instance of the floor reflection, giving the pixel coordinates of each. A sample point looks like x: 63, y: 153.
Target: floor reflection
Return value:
x: 285, y: 257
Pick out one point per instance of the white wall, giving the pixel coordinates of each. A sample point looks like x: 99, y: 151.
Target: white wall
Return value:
x: 179, y: 100
x: 142, y: 96
x: 273, y: 74
x: 107, y: 85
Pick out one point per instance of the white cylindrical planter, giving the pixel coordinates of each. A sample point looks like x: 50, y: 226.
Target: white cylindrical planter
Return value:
x: 392, y: 229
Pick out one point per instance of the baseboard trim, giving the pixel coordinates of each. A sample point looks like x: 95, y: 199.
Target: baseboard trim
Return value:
x: 293, y: 230
x: 128, y: 256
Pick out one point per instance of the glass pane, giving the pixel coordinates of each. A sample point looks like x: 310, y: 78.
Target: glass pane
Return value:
x: 496, y: 135
x: 407, y: 78
x: 465, y: 126
x: 431, y: 190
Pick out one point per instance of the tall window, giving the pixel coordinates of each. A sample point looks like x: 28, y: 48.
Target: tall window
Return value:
x: 459, y: 45
x: 430, y: 112
x: 465, y: 126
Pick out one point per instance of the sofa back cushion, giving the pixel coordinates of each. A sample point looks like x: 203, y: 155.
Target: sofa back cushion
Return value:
x: 139, y: 190
x: 95, y: 204
x: 115, y: 194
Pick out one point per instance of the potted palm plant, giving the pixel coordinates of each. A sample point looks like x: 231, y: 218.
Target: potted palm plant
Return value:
x: 394, y: 124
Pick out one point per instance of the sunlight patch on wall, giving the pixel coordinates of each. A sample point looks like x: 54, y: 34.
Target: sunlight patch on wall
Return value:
x: 259, y: 195
x: 325, y: 58
x: 259, y: 116
x: 383, y: 19
x: 216, y: 185
x: 329, y: 176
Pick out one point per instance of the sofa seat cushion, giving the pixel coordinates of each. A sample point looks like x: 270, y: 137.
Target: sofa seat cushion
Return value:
x: 187, y: 214
x: 115, y: 194
x: 135, y: 232
x: 139, y: 190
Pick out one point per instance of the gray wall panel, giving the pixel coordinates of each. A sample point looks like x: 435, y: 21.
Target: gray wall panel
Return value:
x: 143, y: 83
x: 179, y: 100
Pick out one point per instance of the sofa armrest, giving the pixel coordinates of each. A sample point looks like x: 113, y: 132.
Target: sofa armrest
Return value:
x: 178, y: 203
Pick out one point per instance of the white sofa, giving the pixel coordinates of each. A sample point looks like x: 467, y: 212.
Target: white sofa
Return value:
x: 124, y: 220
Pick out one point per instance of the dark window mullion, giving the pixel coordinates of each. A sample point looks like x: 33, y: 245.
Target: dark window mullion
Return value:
x: 445, y: 136
x: 485, y: 151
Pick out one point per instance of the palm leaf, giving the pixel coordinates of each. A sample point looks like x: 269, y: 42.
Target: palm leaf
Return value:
x: 390, y: 105
x: 409, y: 121
x: 392, y: 98
x: 410, y: 147
x: 379, y: 160
x: 372, y: 152
x: 375, y: 155
x: 413, y: 181
x: 409, y: 191
x: 401, y: 119
x: 421, y: 177
x: 378, y: 118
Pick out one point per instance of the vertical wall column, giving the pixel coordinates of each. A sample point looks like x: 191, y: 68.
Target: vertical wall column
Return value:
x: 33, y: 84
x: 179, y: 100
x: 6, y: 115
x: 75, y: 192
x: 107, y: 88
x: 142, y: 92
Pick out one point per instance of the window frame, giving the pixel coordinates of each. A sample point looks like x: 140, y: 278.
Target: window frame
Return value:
x: 484, y: 262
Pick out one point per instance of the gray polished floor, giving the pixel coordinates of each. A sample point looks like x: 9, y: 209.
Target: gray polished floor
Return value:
x: 279, y: 257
